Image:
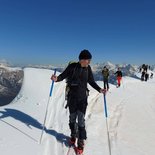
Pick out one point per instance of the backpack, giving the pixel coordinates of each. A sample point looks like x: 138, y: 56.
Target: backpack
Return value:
x: 105, y: 73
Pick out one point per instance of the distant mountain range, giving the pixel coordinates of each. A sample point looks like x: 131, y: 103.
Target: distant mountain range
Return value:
x: 127, y: 69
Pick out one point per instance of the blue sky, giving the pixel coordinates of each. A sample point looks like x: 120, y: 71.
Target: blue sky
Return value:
x: 55, y: 31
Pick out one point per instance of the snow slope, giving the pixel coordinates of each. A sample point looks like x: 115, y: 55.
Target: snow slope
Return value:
x: 131, y: 119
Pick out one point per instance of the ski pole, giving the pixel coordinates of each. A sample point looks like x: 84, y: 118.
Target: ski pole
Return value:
x: 106, y: 115
x: 123, y: 83
x: 50, y: 94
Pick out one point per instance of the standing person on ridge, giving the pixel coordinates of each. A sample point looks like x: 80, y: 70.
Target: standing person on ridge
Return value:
x: 78, y: 75
x: 146, y: 76
x: 119, y: 77
x: 105, y: 73
x: 143, y: 75
x: 151, y: 76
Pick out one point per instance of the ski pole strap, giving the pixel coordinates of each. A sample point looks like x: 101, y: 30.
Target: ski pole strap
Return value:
x: 105, y: 106
x: 52, y: 84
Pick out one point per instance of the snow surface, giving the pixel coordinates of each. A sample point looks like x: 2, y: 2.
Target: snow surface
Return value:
x: 131, y: 110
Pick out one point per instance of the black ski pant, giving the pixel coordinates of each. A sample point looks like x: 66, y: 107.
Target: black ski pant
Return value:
x: 106, y: 84
x: 77, y: 109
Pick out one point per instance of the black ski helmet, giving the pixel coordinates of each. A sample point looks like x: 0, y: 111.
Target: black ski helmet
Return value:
x: 85, y: 54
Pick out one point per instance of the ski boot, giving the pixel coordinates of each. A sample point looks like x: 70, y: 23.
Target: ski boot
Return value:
x: 80, y: 148
x: 72, y: 140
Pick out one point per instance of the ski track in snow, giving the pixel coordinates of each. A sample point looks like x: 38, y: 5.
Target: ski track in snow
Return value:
x: 114, y: 121
x: 124, y: 107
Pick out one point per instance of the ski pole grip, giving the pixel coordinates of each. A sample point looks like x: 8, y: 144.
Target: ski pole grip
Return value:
x: 52, y: 83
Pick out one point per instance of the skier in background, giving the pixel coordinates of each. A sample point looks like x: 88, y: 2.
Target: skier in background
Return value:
x: 119, y: 77
x: 151, y: 76
x: 78, y: 75
x: 146, y: 68
x: 105, y: 73
x: 143, y: 66
x: 140, y: 69
x: 146, y: 76
x: 143, y: 75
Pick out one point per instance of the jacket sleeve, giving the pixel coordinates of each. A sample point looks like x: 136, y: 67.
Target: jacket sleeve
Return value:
x: 64, y: 74
x: 91, y: 80
x: 121, y: 74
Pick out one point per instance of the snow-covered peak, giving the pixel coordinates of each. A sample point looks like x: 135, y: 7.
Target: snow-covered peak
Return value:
x: 109, y: 64
x: 127, y: 70
x: 6, y: 66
